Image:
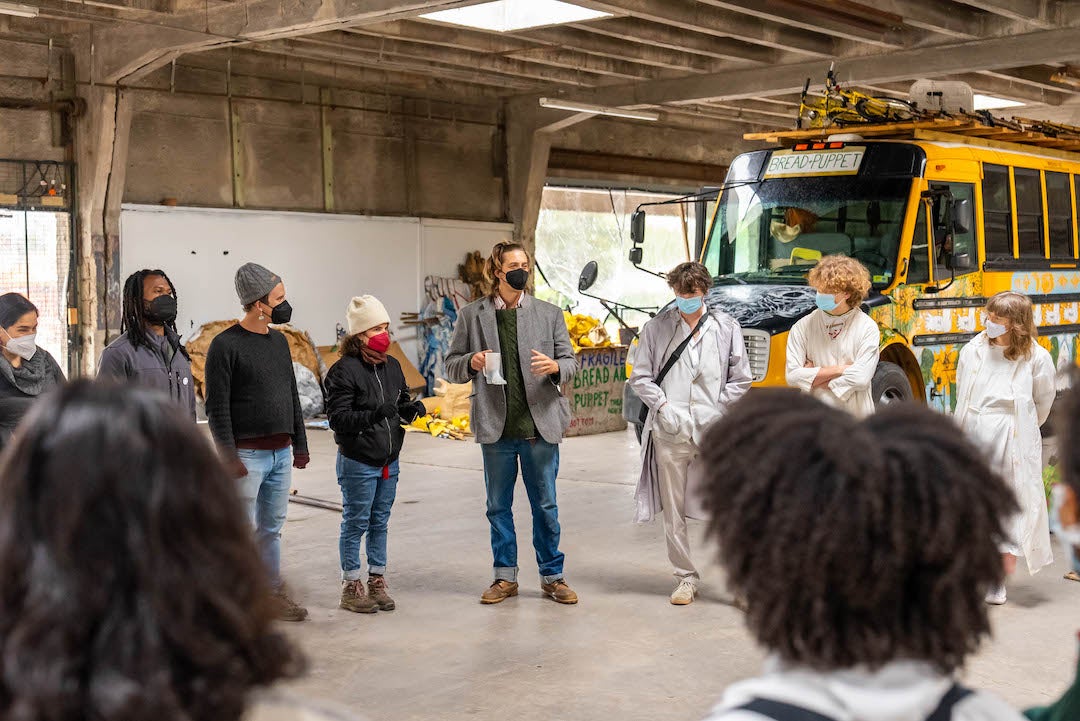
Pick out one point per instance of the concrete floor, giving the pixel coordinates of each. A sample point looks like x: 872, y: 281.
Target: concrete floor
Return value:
x: 623, y: 652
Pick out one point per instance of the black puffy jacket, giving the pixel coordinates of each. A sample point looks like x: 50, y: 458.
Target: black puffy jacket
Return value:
x: 354, y: 390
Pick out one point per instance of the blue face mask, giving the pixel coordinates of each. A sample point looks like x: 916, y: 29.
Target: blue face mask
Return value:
x: 826, y: 302
x: 689, y: 306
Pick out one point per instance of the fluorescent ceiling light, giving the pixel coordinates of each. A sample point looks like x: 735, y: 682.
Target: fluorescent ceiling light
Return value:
x: 598, y: 109
x: 19, y: 11
x: 506, y: 15
x: 989, y: 102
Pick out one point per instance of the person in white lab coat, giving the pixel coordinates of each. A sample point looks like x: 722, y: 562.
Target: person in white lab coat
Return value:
x: 711, y: 372
x: 1006, y: 386
x: 833, y: 352
x: 863, y: 549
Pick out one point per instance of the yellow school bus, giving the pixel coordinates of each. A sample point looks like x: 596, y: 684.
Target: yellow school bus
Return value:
x: 943, y: 213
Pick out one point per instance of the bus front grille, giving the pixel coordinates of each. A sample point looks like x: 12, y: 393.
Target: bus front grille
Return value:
x: 757, y: 350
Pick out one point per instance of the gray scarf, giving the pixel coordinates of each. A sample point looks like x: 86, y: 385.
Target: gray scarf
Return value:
x: 33, y: 377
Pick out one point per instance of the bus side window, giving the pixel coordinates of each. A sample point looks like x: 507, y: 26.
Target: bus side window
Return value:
x: 1029, y: 212
x: 919, y: 265
x: 996, y: 212
x: 1059, y: 210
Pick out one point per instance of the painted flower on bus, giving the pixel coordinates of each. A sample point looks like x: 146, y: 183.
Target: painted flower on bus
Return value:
x: 939, y: 372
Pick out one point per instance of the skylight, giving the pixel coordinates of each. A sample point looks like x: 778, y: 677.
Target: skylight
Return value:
x: 507, y: 15
x: 989, y: 102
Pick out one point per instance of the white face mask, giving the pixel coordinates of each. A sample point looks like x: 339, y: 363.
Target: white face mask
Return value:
x: 994, y: 330
x: 25, y: 346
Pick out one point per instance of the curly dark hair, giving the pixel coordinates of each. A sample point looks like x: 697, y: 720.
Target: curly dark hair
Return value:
x: 854, y: 542
x: 132, y: 589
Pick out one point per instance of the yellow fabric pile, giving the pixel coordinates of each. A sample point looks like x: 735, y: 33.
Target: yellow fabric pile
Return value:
x: 439, y: 427
x: 586, y: 331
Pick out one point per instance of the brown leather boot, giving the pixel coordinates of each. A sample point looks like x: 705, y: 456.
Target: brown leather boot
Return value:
x: 376, y: 587
x: 288, y: 609
x: 559, y: 592
x: 499, y: 592
x: 354, y: 598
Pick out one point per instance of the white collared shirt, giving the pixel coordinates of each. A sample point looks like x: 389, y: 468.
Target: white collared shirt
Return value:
x: 500, y: 304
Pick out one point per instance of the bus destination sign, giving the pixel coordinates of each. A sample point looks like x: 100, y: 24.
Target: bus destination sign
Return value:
x: 795, y: 164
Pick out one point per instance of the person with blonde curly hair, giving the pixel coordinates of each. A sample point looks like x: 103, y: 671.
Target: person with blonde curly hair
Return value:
x: 833, y: 352
x: 1006, y: 386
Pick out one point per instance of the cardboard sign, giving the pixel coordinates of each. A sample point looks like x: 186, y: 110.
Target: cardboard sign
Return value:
x: 596, y: 393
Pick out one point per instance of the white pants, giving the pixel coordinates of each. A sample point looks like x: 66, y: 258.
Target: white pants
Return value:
x: 673, y: 459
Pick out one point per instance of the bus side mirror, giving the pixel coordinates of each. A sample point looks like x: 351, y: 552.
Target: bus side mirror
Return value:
x: 962, y: 217
x: 637, y: 227
x: 636, y: 255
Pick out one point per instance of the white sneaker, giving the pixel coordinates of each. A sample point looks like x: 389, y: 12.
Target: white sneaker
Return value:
x: 996, y: 596
x: 684, y: 593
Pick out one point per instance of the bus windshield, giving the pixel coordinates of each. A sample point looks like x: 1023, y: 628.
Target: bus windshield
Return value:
x: 776, y: 230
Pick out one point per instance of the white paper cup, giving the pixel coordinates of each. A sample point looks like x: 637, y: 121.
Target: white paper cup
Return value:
x: 493, y: 369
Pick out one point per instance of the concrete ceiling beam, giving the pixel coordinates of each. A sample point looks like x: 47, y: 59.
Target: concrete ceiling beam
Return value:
x: 885, y: 33
x: 942, y: 18
x: 604, y: 46
x: 1033, y: 12
x: 1034, y: 48
x: 306, y: 49
x: 632, y: 32
x: 1038, y: 76
x: 570, y: 67
x: 126, y: 53
x: 696, y: 17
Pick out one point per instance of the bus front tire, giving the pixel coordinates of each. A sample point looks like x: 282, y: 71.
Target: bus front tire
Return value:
x: 890, y: 385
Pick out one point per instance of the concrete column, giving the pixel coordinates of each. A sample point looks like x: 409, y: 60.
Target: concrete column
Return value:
x: 529, y: 131
x: 101, y: 145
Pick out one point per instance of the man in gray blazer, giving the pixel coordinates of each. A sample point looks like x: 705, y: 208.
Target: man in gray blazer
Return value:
x: 521, y: 421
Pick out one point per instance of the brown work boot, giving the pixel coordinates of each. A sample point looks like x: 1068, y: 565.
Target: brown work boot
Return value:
x: 288, y: 609
x: 499, y: 592
x: 376, y: 588
x: 558, y: 591
x: 355, y: 599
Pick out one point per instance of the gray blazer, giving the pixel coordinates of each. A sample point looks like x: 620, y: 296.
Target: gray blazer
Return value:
x: 540, y: 327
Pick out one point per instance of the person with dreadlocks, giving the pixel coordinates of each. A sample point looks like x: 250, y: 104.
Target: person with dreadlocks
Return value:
x: 863, y: 549
x: 148, y: 351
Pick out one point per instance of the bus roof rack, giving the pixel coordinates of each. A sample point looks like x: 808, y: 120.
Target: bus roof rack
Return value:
x: 979, y: 129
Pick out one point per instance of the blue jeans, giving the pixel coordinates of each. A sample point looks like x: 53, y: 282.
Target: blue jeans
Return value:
x: 539, y: 467
x: 367, y: 498
x: 265, y: 494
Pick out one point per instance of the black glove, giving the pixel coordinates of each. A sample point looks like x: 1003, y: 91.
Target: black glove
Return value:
x: 387, y: 410
x: 411, y: 411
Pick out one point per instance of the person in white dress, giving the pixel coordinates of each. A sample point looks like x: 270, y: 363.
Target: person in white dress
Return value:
x: 711, y: 373
x: 833, y: 352
x: 1006, y: 386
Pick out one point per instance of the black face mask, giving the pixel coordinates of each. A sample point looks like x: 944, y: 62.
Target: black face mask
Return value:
x: 161, y: 309
x: 517, y: 279
x: 281, y: 313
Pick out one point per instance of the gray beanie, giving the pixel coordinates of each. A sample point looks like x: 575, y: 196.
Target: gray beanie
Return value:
x: 254, y: 282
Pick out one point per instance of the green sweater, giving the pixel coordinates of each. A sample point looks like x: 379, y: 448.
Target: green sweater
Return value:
x: 519, y: 420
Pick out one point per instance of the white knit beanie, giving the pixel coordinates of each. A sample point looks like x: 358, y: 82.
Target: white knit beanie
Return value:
x: 364, y: 313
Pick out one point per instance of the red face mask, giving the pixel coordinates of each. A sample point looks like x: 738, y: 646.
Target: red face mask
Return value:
x: 380, y: 342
